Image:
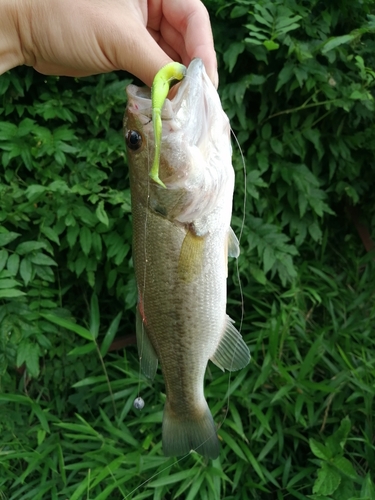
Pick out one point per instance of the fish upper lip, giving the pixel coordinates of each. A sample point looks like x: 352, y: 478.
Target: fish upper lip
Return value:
x: 190, y: 85
x: 191, y: 79
x: 187, y: 90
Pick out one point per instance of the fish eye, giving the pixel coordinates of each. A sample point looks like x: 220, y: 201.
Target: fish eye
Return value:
x: 133, y: 140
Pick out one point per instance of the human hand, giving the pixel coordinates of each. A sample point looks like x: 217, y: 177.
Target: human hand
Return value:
x: 85, y: 37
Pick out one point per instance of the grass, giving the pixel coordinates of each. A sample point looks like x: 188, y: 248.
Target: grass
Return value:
x: 68, y: 435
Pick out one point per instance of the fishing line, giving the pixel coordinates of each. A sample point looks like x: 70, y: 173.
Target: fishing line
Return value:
x: 158, y: 473
x: 238, y: 275
x: 138, y: 402
x: 241, y: 228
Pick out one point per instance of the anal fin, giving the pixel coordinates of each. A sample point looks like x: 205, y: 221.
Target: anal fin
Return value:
x: 146, y: 352
x: 232, y: 353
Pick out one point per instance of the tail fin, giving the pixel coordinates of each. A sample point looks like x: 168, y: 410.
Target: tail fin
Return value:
x: 180, y: 436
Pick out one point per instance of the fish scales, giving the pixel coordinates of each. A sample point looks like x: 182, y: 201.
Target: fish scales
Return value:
x: 181, y: 242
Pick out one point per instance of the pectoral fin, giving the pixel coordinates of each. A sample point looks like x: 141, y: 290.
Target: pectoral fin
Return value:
x: 191, y: 257
x: 146, y: 352
x: 233, y: 244
x: 232, y: 353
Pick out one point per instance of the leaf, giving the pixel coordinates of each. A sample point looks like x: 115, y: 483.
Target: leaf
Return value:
x: 195, y: 487
x: 368, y: 487
x: 276, y: 146
x: 3, y: 258
x: 332, y: 43
x: 269, y: 258
x: 337, y: 441
x: 6, y: 238
x: 344, y: 466
x: 172, y: 478
x: 258, y: 274
x: 231, y: 54
x: 85, y: 240
x: 8, y: 283
x: 90, y: 381
x: 121, y: 254
x: 69, y: 325
x: 41, y: 415
x: 101, y: 213
x: 51, y: 234
x: 13, y: 264
x: 315, y: 232
x: 285, y: 75
x: 44, y: 272
x: 320, y: 450
x: 72, y: 234
x: 82, y: 350
x: 42, y: 260
x: 28, y: 353
x: 311, y: 358
x: 287, y: 22
x: 328, y: 480
x: 29, y: 246
x: 10, y: 293
x: 94, y: 316
x: 97, y: 244
x: 34, y: 192
x: 231, y: 443
x: 110, y: 335
x: 271, y: 45
x: 282, y: 392
x: 238, y: 11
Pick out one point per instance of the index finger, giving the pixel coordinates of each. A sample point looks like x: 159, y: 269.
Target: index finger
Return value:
x: 191, y: 19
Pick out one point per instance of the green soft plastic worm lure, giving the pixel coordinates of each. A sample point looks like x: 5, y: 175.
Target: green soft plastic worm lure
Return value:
x: 165, y: 78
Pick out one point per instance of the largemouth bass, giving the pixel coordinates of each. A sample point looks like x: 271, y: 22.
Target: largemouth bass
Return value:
x: 181, y: 242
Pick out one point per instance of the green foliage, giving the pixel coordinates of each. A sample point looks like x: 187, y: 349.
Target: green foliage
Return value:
x: 298, y: 88
x: 65, y: 205
x: 337, y: 476
x: 296, y: 79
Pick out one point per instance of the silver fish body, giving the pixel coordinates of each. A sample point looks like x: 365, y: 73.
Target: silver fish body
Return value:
x: 181, y: 242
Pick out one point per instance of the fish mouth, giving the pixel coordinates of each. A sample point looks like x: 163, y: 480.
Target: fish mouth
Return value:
x: 187, y: 106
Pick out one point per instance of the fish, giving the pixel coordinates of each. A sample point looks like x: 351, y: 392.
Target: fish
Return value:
x: 181, y: 242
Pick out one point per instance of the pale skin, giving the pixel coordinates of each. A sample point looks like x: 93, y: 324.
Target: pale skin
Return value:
x: 86, y: 37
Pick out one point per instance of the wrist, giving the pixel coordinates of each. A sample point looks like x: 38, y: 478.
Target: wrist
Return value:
x: 10, y: 45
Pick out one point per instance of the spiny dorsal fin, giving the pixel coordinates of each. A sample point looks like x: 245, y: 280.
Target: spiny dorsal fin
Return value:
x: 233, y: 244
x: 146, y: 353
x: 191, y: 257
x: 232, y: 353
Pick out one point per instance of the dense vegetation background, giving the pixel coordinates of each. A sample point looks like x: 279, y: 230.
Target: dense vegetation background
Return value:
x: 297, y: 81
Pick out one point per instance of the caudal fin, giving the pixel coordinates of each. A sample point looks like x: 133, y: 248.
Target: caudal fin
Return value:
x: 180, y: 436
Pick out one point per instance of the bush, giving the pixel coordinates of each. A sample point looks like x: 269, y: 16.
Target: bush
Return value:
x: 296, y: 80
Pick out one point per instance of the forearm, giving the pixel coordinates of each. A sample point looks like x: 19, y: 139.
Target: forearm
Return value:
x: 10, y: 47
